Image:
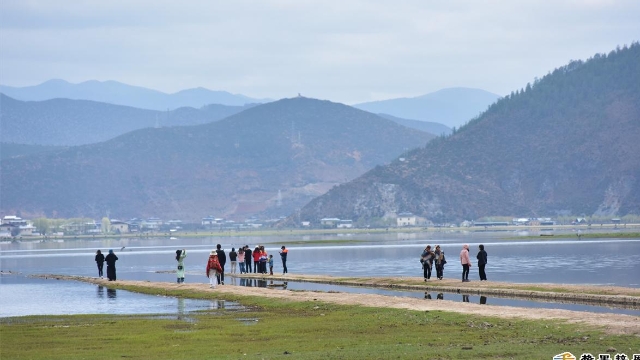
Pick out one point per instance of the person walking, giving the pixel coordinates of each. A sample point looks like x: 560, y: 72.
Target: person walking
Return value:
x: 233, y: 257
x: 270, y: 264
x: 248, y: 258
x: 222, y: 258
x: 111, y: 259
x: 213, y: 269
x: 466, y: 263
x: 100, y: 263
x: 427, y: 262
x: 440, y: 261
x: 482, y: 262
x: 180, y: 255
x: 241, y: 260
x: 283, y: 255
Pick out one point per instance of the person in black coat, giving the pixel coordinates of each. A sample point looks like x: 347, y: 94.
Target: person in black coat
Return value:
x: 222, y: 258
x: 248, y: 259
x: 100, y: 263
x: 111, y: 265
x: 482, y: 262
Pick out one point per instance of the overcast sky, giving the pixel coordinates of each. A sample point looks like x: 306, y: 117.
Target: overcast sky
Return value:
x: 345, y: 50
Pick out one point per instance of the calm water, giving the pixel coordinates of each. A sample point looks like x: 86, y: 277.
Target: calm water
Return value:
x: 593, y: 261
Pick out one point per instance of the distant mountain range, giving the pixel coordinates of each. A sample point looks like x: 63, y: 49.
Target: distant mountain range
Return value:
x: 568, y: 145
x: 268, y: 160
x: 452, y: 107
x: 113, y: 92
x: 426, y: 126
x: 77, y: 122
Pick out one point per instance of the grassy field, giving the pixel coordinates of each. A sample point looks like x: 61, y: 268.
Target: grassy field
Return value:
x: 269, y: 329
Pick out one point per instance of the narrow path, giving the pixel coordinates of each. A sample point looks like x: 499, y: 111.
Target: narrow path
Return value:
x: 610, y: 323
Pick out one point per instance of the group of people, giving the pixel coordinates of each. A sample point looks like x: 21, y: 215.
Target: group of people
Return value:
x: 436, y: 257
x: 243, y: 257
x: 110, y: 259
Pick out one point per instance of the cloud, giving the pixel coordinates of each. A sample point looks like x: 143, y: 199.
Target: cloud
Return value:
x: 345, y: 51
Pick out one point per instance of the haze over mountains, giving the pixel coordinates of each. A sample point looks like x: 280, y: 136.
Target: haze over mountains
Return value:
x: 78, y: 122
x: 566, y: 145
x: 268, y: 160
x: 117, y: 93
x: 452, y: 107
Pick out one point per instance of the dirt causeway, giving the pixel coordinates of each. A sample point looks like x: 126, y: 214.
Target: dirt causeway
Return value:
x: 610, y: 323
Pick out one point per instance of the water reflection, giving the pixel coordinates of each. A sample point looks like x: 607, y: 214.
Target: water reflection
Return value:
x: 440, y: 296
x: 465, y: 298
x: 483, y: 300
x: 111, y: 293
x: 100, y: 292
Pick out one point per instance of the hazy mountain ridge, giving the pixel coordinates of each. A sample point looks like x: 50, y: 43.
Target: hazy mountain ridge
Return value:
x: 452, y: 107
x: 567, y: 145
x: 76, y: 122
x: 268, y: 160
x: 113, y: 92
x: 426, y: 126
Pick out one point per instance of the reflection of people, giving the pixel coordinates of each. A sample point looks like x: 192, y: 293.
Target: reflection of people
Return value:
x: 440, y: 296
x: 111, y: 265
x: 100, y: 263
x: 482, y: 262
x: 283, y: 255
x: 483, y: 300
x: 111, y: 293
x: 465, y: 298
x: 466, y: 263
x: 427, y: 295
x: 100, y: 292
x: 180, y: 255
x: 222, y: 258
x: 213, y: 268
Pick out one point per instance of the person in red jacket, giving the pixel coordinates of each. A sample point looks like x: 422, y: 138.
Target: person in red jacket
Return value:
x: 213, y: 269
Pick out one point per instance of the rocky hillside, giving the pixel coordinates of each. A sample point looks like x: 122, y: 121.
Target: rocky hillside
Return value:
x: 567, y: 144
x: 268, y: 160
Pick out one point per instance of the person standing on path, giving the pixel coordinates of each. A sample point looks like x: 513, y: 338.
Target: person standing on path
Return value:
x: 256, y: 259
x: 270, y: 264
x: 466, y: 263
x: 440, y: 261
x: 482, y: 262
x: 180, y: 255
x: 222, y: 258
x: 283, y: 255
x: 427, y: 262
x: 241, y: 260
x: 111, y: 259
x: 213, y: 269
x: 247, y: 259
x: 233, y: 257
x: 100, y: 263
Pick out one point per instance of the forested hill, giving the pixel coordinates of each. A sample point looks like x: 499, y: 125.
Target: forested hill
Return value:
x: 77, y: 122
x: 567, y: 144
x: 268, y: 161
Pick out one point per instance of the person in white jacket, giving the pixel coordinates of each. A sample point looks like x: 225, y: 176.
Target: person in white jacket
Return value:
x: 466, y: 262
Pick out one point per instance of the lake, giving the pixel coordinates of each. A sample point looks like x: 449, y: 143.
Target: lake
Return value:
x: 546, y: 260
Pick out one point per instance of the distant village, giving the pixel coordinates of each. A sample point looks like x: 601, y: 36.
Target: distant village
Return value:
x: 14, y: 226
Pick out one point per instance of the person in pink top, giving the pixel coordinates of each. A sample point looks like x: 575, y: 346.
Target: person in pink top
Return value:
x: 466, y: 262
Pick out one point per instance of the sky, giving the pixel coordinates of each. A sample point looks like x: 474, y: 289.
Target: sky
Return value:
x: 346, y: 51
